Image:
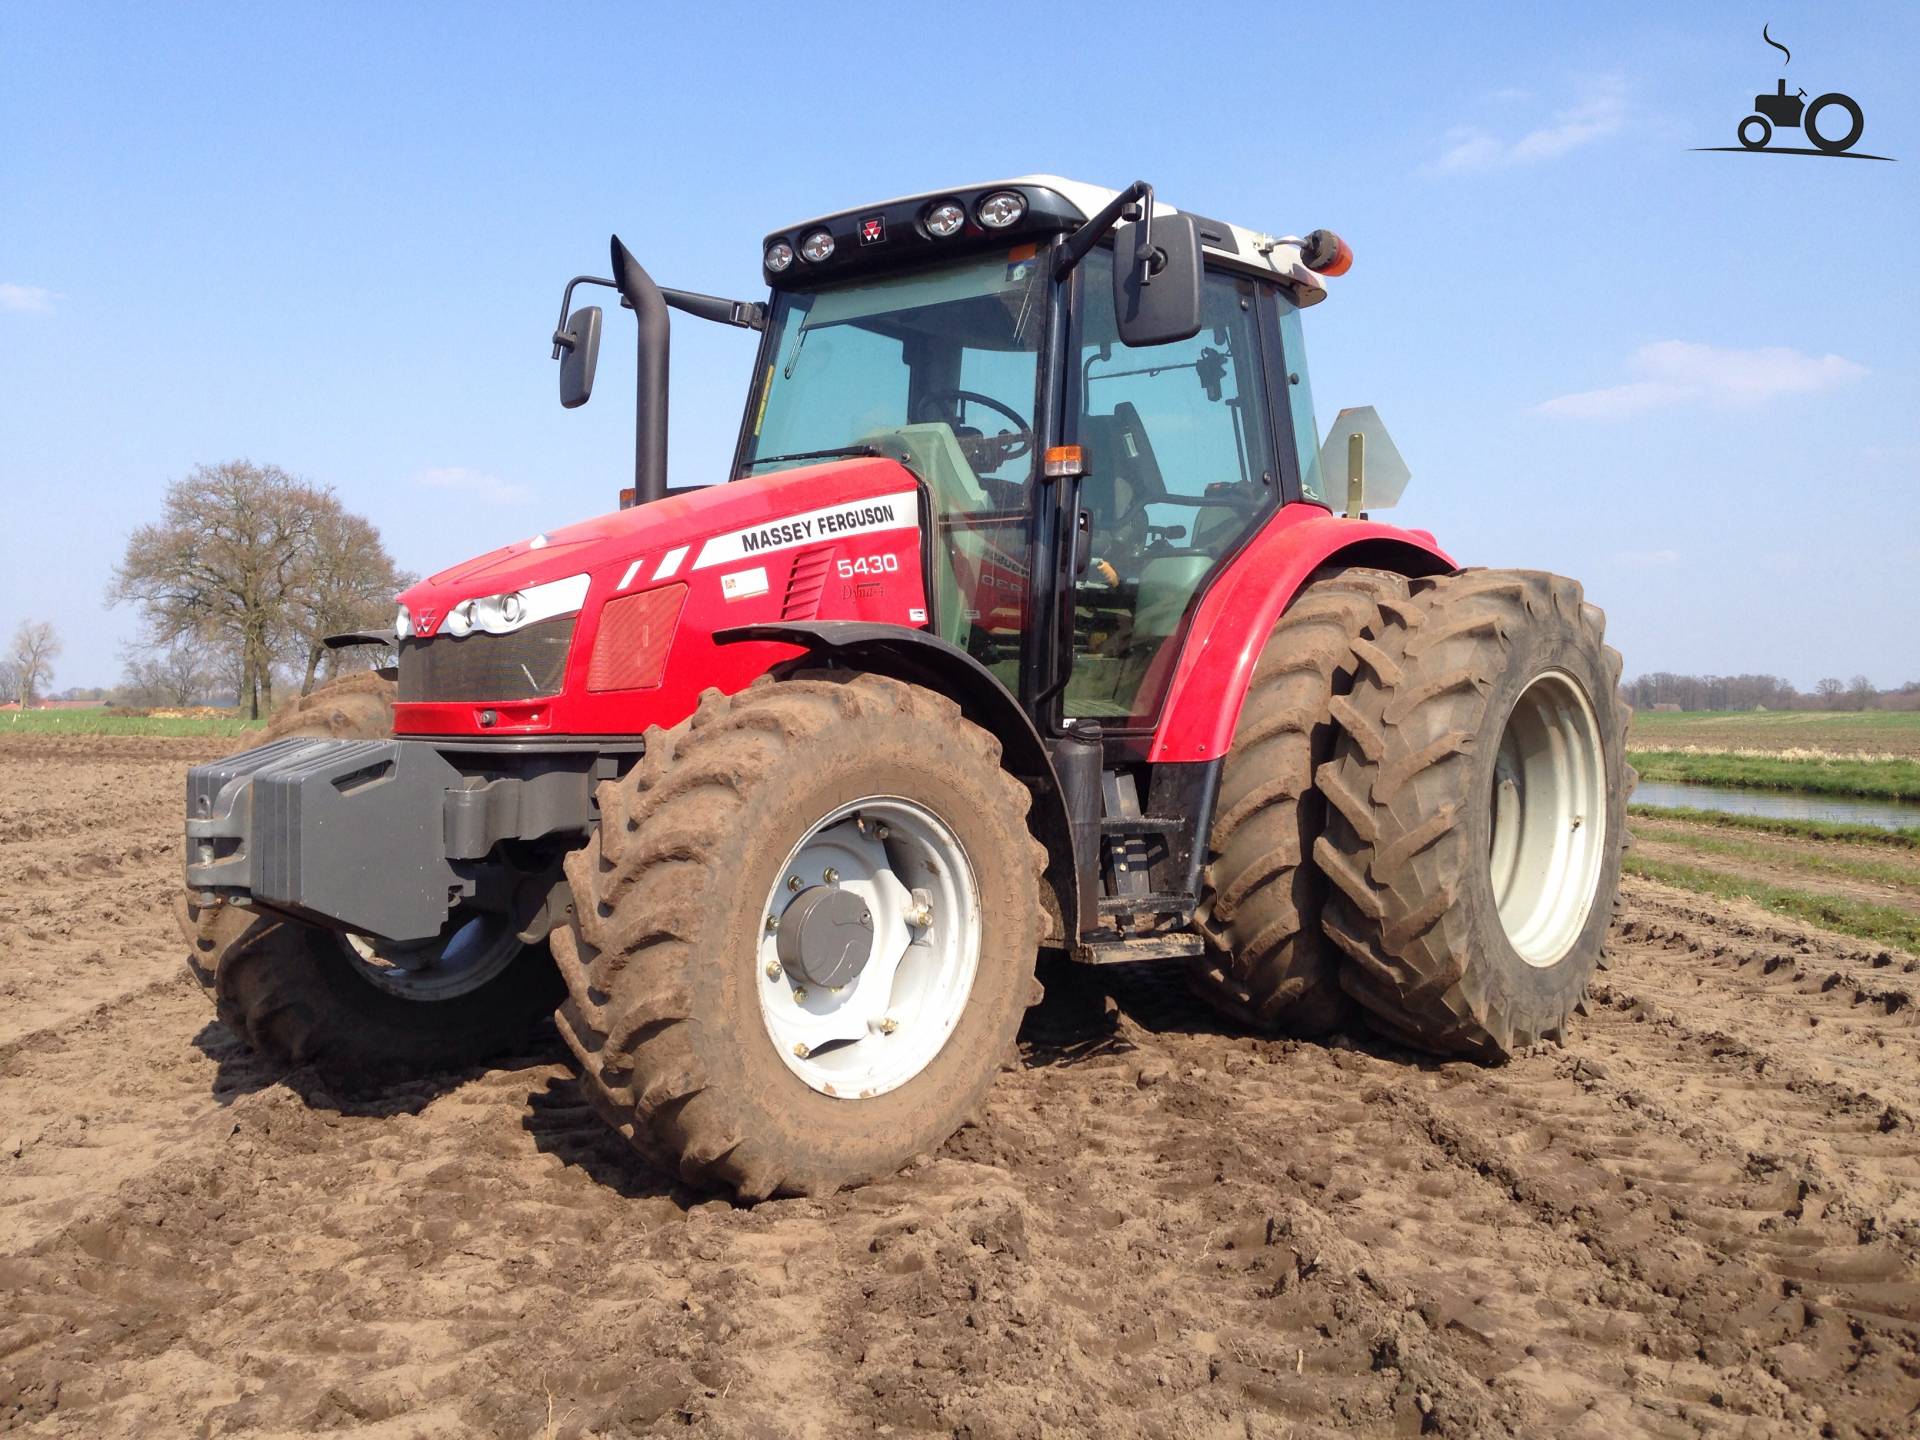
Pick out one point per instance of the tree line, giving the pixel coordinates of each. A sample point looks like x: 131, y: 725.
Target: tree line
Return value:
x: 240, y: 581
x: 237, y: 585
x: 1765, y: 692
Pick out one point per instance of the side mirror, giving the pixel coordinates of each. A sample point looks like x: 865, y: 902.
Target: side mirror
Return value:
x: 580, y: 352
x: 1163, y: 304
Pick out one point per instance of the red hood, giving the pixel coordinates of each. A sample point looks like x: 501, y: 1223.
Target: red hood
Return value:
x: 626, y: 536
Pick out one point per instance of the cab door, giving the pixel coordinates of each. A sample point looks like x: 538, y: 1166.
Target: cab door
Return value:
x: 1180, y: 469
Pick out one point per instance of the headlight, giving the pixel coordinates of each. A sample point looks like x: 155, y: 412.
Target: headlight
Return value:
x: 779, y: 256
x: 817, y: 247
x: 514, y: 609
x: 945, y: 218
x: 1001, y: 209
x: 402, y: 623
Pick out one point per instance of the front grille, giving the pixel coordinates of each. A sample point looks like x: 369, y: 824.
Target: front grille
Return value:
x: 524, y: 665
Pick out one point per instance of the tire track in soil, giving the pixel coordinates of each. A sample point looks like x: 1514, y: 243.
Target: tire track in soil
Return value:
x: 1690, y: 1223
x: 1761, y: 1218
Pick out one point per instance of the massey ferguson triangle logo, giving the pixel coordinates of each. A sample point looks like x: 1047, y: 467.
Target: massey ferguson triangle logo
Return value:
x: 873, y: 230
x: 1832, y: 123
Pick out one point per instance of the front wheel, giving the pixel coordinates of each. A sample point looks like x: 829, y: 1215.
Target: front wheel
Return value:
x: 803, y: 935
x: 1477, y: 812
x: 1755, y: 131
x: 358, y: 1008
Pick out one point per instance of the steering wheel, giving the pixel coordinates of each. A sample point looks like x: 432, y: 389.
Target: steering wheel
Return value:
x: 944, y: 405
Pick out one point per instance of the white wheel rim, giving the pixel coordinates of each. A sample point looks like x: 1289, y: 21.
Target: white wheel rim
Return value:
x: 473, y: 949
x: 1549, y: 818
x: 887, y: 1024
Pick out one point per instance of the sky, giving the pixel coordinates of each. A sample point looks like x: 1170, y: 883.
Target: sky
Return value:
x: 334, y: 237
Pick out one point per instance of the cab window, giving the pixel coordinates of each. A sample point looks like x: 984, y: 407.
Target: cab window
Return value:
x: 1180, y: 469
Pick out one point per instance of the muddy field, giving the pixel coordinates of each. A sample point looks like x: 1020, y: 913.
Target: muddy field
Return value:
x: 1701, y: 1218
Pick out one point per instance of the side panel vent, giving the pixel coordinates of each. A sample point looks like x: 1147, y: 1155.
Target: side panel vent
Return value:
x: 807, y: 583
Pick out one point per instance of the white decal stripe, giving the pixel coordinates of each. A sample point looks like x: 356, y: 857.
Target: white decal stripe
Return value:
x: 627, y: 579
x: 811, y: 527
x: 670, y: 563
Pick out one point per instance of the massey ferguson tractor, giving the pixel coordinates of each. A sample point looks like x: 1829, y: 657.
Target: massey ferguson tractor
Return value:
x: 1032, y: 616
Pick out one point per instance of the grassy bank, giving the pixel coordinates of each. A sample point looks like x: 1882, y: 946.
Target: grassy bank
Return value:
x: 1881, y: 924
x: 1837, y: 831
x: 99, y: 722
x: 1878, y: 867
x: 1886, y: 779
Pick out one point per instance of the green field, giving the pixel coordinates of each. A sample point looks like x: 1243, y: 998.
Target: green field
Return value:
x: 99, y: 722
x: 1883, y: 779
x: 1865, y: 732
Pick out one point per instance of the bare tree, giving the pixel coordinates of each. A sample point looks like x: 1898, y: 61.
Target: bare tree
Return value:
x: 1830, y: 690
x: 251, y: 559
x: 183, y: 673
x: 30, y: 657
x: 1861, y: 693
x: 346, y: 582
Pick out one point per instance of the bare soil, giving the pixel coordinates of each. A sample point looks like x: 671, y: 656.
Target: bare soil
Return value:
x: 1701, y: 1217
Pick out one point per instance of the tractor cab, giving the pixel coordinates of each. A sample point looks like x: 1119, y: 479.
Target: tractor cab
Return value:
x: 1092, y: 450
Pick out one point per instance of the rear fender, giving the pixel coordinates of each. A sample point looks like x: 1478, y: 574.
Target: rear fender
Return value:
x: 1240, y: 608
x: 921, y: 658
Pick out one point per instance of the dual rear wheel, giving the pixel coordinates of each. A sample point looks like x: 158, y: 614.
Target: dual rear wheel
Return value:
x: 1449, y: 868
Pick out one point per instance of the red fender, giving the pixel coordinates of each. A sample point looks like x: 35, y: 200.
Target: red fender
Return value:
x: 1245, y: 601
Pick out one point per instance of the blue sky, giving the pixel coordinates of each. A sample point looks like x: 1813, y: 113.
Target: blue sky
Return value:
x: 334, y: 238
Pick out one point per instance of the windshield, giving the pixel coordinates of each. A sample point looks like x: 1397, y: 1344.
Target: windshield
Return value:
x: 940, y: 369
x: 941, y: 363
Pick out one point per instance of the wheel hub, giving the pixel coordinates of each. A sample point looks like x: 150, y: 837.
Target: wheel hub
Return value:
x: 826, y: 936
x: 869, y: 947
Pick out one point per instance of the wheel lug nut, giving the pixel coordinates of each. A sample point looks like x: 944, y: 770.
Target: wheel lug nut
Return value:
x: 830, y: 875
x: 773, y: 923
x: 773, y: 969
x: 799, y: 994
x: 793, y: 882
x: 889, y: 1025
x: 800, y: 1049
x: 880, y: 832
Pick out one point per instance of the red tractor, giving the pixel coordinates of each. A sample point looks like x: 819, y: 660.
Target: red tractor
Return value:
x: 1024, y: 621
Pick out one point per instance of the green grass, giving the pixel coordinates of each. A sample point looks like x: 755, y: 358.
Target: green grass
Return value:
x: 99, y: 722
x: 1878, y: 869
x: 1905, y: 839
x: 1881, y: 924
x: 1897, y: 779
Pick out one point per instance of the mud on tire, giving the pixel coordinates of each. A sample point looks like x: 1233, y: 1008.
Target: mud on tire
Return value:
x: 1425, y: 805
x: 290, y: 992
x: 661, y: 959
x: 1267, y: 963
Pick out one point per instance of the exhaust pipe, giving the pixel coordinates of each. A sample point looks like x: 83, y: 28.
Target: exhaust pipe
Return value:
x: 649, y: 307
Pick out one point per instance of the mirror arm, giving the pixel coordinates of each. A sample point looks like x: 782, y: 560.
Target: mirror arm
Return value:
x: 1088, y: 235
x: 562, y: 340
x: 743, y: 313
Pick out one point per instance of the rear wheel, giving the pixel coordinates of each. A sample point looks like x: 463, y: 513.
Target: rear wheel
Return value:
x: 1477, y: 812
x: 1267, y: 964
x: 804, y: 934
x: 353, y: 1004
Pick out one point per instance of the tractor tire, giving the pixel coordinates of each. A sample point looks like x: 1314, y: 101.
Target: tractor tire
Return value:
x: 291, y: 991
x: 1267, y: 964
x: 676, y: 997
x: 1477, y: 812
x: 354, y: 707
